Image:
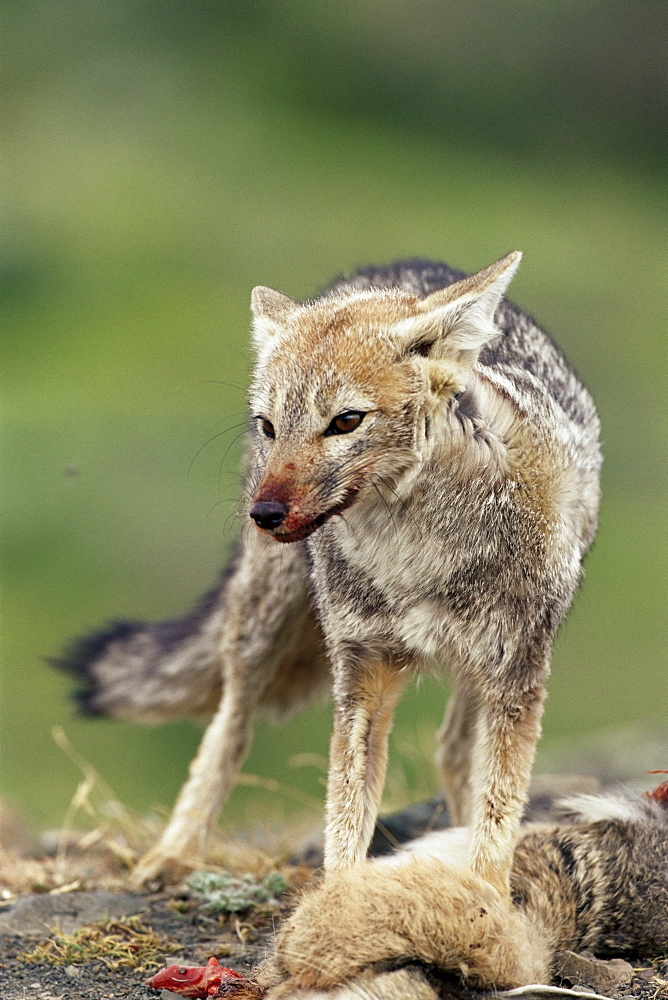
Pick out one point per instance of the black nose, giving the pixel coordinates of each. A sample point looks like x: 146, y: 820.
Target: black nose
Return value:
x: 268, y: 514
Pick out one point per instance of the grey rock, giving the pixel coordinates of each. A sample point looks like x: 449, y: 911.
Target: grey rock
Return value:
x: 44, y: 914
x: 584, y: 970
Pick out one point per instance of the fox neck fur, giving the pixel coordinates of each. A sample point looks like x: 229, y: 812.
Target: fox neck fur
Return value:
x: 470, y: 486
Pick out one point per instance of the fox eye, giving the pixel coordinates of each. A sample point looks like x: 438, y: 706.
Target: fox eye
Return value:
x: 267, y: 427
x: 345, y: 423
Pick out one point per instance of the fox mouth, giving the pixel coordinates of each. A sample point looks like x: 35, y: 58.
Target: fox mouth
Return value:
x: 306, y: 529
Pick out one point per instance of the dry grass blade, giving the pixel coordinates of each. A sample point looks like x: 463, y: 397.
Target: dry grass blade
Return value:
x: 127, y: 835
x: 124, y: 832
x: 118, y: 944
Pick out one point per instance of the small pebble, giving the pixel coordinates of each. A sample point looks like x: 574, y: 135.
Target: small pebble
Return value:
x: 73, y: 971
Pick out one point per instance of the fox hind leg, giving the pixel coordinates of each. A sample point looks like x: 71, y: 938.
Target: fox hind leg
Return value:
x: 267, y: 620
x: 211, y: 777
x: 455, y: 746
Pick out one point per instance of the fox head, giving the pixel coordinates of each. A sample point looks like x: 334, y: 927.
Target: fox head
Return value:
x: 346, y: 387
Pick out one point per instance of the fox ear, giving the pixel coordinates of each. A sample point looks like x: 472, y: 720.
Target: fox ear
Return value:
x: 270, y: 310
x: 459, y: 317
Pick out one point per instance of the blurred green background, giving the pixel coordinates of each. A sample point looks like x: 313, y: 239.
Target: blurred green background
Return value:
x: 164, y: 157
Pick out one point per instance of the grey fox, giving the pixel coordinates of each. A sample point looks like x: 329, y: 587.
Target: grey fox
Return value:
x: 389, y: 929
x: 432, y: 462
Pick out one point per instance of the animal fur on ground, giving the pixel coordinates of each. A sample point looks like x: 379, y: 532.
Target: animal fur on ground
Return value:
x: 430, y: 463
x: 391, y: 929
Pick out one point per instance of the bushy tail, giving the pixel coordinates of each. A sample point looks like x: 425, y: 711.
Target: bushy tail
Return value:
x: 152, y: 673
x: 258, y: 618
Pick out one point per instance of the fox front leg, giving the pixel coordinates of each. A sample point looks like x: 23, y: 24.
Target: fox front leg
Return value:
x: 505, y: 745
x: 364, y: 703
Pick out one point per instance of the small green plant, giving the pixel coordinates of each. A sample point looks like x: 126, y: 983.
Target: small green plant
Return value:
x: 221, y: 892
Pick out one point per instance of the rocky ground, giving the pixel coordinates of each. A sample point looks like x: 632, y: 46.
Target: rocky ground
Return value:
x: 70, y: 929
